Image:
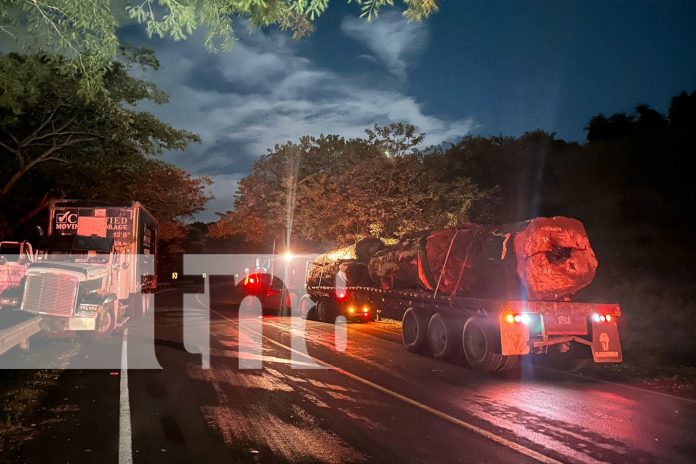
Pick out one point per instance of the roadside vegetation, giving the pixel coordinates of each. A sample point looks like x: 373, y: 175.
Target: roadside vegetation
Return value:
x: 21, y: 393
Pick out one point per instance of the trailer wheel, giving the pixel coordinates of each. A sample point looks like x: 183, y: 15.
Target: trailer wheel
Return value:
x: 509, y: 363
x: 414, y: 331
x: 481, y: 346
x: 443, y: 336
x: 307, y: 307
x: 326, y: 310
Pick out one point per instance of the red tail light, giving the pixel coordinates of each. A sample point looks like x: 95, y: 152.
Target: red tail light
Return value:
x: 596, y: 317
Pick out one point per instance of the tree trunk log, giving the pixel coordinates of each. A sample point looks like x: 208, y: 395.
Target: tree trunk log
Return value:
x: 539, y: 259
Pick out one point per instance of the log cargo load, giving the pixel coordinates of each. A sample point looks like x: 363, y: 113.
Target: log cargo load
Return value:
x: 349, y: 263
x: 539, y: 259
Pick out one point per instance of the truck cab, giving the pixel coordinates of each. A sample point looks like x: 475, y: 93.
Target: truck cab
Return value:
x: 72, y: 284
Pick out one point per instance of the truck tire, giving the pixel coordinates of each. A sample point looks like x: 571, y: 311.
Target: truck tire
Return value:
x: 326, y: 310
x: 106, y: 323
x: 481, y: 346
x: 509, y: 363
x: 414, y: 331
x: 307, y: 308
x: 443, y: 336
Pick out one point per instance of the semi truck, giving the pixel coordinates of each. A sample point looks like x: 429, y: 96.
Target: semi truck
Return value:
x: 93, y: 269
x: 491, y: 332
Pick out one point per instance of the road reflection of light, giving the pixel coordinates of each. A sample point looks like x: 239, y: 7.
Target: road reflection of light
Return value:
x: 579, y: 405
x: 252, y: 356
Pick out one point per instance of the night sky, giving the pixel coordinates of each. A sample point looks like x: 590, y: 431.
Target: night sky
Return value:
x: 476, y: 67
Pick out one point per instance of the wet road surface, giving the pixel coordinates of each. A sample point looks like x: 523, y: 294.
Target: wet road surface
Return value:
x: 367, y: 401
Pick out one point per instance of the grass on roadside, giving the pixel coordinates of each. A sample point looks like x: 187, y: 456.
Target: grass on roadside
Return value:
x: 20, y: 395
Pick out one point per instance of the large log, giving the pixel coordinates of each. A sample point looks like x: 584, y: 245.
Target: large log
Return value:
x: 348, y: 263
x: 540, y: 259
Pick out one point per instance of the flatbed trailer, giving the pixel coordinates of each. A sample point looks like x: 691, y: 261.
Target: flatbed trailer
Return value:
x: 492, y: 334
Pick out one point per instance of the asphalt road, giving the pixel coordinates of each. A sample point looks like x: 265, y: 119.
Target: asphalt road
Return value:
x: 371, y: 402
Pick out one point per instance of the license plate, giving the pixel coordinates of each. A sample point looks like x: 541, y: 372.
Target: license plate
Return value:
x: 565, y: 324
x: 82, y: 323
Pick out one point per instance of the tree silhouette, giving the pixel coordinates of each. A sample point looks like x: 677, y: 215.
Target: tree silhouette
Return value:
x: 598, y: 128
x: 649, y: 119
x: 683, y: 108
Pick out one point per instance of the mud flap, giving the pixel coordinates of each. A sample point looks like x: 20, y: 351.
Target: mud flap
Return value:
x: 514, y: 337
x: 606, y: 347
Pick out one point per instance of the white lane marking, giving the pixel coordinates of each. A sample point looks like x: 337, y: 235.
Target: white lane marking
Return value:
x: 125, y: 445
x: 424, y: 407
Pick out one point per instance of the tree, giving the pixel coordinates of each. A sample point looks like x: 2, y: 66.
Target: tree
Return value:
x: 648, y: 119
x: 85, y: 31
x: 54, y: 143
x: 682, y: 108
x: 48, y: 121
x: 598, y: 128
x: 397, y: 139
x: 335, y: 189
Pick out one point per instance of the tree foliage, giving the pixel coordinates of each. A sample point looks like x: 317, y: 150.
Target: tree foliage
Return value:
x: 55, y: 143
x: 335, y: 189
x: 49, y: 121
x: 682, y: 110
x: 85, y: 31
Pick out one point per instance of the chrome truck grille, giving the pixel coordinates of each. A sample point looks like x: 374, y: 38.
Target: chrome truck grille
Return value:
x: 50, y: 293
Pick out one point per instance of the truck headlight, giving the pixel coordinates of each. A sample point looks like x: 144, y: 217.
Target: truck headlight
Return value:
x: 89, y: 307
x: 9, y: 301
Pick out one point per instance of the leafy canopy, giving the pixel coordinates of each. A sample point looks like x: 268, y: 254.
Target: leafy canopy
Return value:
x: 335, y: 189
x: 85, y: 31
x: 55, y: 143
x: 49, y: 122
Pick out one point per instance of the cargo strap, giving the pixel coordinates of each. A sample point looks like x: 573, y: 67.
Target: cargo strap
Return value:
x: 466, y: 260
x: 444, y: 265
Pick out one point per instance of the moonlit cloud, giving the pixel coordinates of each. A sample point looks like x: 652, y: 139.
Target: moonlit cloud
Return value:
x: 393, y: 39
x: 264, y: 93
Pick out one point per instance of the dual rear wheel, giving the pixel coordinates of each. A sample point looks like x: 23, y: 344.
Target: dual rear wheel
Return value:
x: 446, y: 337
